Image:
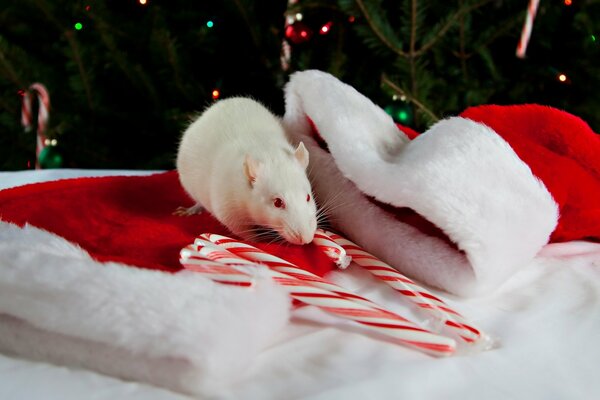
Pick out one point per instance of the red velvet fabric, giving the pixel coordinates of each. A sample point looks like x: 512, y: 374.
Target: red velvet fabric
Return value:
x: 562, y: 151
x: 128, y: 219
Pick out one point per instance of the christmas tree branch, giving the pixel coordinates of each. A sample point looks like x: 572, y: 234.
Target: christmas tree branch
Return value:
x: 134, y: 72
x: 170, y: 48
x: 413, y: 40
x: 307, y: 5
x: 10, y: 107
x: 41, y: 4
x: 413, y: 26
x: 257, y: 44
x: 10, y: 70
x: 244, y: 14
x: 439, y: 34
x: 387, y: 81
x: 497, y: 33
x: 82, y: 73
x: 378, y: 32
x: 462, y: 53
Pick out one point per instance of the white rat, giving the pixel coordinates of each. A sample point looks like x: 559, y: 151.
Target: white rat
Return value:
x: 236, y: 162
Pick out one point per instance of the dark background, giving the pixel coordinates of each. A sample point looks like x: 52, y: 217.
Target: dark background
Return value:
x: 124, y: 86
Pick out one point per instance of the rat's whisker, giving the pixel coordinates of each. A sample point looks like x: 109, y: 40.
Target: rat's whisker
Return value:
x: 332, y: 201
x: 324, y: 213
x: 327, y: 209
x: 264, y: 234
x: 277, y: 240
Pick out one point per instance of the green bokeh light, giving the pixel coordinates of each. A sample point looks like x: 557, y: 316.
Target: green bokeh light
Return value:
x: 593, y: 38
x: 210, y: 24
x: 78, y: 26
x: 400, y: 112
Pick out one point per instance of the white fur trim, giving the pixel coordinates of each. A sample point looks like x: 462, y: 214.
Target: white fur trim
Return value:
x: 460, y: 175
x: 180, y: 331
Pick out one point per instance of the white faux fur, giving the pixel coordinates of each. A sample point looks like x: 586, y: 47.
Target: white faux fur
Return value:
x: 459, y: 175
x: 180, y: 331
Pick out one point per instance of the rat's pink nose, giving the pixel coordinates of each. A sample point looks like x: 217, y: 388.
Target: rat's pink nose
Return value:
x: 300, y: 238
x: 307, y: 237
x: 297, y: 238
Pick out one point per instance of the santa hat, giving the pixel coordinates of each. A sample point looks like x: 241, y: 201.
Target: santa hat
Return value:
x: 100, y: 285
x: 456, y: 207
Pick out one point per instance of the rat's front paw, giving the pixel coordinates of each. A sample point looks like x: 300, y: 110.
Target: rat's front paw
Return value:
x: 187, y: 211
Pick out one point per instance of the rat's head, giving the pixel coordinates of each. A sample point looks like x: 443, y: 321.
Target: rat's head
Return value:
x: 281, y: 197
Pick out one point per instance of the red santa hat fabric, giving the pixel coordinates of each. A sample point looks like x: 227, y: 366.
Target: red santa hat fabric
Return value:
x: 105, y: 290
x: 561, y: 150
x: 128, y: 219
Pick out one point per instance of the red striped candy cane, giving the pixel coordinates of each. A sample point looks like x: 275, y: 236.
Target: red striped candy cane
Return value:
x: 42, y: 119
x: 333, y: 250
x: 193, y: 260
x: 375, y: 318
x: 275, y: 263
x: 526, y: 31
x: 408, y: 288
x: 26, y: 117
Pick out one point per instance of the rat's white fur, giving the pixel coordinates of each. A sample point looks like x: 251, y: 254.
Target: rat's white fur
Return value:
x: 180, y: 331
x: 235, y: 160
x: 460, y: 175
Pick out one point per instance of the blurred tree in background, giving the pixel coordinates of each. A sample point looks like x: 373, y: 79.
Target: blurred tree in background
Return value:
x: 125, y: 82
x: 424, y: 60
x: 125, y: 76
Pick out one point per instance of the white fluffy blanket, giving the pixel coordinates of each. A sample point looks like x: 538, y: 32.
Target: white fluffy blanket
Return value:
x: 545, y: 317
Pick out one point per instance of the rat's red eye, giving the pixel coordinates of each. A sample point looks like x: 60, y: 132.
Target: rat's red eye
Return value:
x: 307, y: 198
x: 278, y: 203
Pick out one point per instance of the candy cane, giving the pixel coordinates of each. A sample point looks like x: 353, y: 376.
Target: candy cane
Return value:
x: 333, y: 250
x: 382, y: 321
x: 275, y: 263
x: 43, y: 115
x: 26, y: 111
x: 194, y: 260
x: 286, y: 50
x: 286, y: 55
x: 405, y: 286
x: 526, y: 31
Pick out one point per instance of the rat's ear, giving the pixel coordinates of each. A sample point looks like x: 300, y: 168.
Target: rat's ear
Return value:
x: 301, y: 155
x: 251, y: 169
